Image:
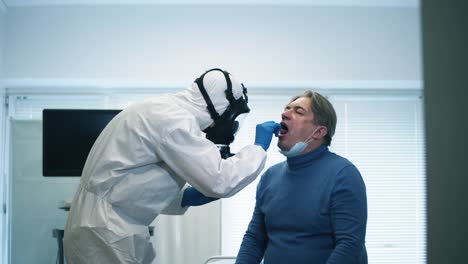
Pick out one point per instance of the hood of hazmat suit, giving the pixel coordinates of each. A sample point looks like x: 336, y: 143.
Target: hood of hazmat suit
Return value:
x: 139, y: 166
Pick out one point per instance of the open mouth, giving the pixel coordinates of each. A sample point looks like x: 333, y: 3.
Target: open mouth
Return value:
x: 284, y: 129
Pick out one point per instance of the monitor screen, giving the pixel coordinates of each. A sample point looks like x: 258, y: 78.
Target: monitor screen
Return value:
x: 67, y: 138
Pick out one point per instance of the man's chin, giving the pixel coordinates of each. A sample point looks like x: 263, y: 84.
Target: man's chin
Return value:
x: 281, y: 147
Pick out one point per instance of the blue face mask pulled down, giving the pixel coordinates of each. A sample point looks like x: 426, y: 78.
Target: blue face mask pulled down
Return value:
x: 298, y: 147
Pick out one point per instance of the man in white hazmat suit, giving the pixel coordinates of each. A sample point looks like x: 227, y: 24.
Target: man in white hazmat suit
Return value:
x: 139, y: 166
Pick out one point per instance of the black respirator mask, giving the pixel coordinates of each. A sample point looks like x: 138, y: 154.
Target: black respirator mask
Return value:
x: 226, y: 125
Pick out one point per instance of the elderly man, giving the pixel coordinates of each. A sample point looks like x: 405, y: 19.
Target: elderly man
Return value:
x: 311, y: 208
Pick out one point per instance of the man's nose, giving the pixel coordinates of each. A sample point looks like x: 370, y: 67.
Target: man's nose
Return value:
x: 284, y: 115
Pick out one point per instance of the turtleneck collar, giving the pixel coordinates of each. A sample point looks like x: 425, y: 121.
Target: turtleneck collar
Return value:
x: 300, y: 161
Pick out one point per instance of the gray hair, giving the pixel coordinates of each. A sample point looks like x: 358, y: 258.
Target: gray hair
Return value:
x: 323, y: 110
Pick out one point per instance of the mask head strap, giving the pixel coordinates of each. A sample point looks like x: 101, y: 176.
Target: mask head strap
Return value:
x: 209, y: 104
x: 228, y: 92
x: 244, y: 91
x: 225, y: 125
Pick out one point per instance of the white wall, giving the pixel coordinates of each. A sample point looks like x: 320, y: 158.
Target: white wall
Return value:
x: 173, y: 44
x: 3, y: 20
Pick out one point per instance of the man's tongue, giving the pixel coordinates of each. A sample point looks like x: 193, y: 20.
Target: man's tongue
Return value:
x: 283, y: 130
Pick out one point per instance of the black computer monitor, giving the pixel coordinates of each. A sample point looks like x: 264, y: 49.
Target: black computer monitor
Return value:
x: 68, y: 135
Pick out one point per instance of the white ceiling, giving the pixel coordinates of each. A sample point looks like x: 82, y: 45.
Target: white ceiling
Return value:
x: 6, y: 4
x: 23, y: 3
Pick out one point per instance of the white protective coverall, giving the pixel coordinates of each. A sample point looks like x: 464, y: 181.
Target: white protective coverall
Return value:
x: 138, y: 168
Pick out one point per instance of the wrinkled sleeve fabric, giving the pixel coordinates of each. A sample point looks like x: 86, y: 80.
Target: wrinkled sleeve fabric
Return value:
x: 197, y: 160
x: 255, y: 239
x: 174, y: 208
x: 349, y: 217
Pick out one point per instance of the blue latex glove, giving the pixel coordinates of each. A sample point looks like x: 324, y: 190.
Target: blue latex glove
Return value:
x: 192, y: 197
x: 264, y: 133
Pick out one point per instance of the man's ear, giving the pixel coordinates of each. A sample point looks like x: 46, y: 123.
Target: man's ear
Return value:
x: 322, y: 132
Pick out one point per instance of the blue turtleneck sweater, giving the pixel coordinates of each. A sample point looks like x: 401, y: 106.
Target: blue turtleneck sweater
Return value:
x: 311, y: 208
